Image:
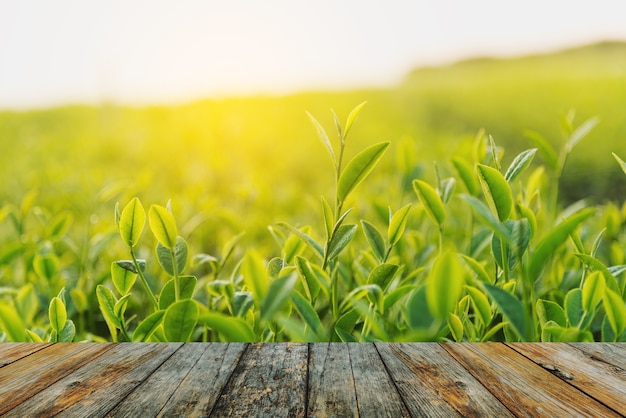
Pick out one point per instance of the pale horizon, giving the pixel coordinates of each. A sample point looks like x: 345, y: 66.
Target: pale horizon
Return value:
x: 141, y: 52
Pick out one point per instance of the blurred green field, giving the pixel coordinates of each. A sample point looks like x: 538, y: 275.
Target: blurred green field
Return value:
x: 241, y: 164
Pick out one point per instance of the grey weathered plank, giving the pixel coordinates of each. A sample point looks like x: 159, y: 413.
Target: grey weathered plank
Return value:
x: 23, y: 379
x: 331, y: 384
x: 270, y: 380
x: 433, y: 384
x: 610, y: 353
x: 521, y: 385
x: 377, y: 395
x: 10, y: 352
x: 96, y: 388
x: 198, y: 392
x: 604, y: 382
x: 149, y: 398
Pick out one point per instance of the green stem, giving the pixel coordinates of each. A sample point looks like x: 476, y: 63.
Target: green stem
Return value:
x: 175, y: 271
x: 144, y: 282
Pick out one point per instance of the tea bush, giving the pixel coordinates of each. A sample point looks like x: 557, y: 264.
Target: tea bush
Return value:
x: 466, y: 249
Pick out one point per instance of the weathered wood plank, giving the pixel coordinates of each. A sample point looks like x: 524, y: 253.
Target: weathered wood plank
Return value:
x: 149, y: 398
x: 98, y: 387
x: 23, y: 379
x: 331, y: 384
x: 10, y: 352
x: 433, y: 384
x: 525, y: 388
x: 376, y: 393
x: 270, y: 380
x: 600, y: 380
x: 610, y: 353
x: 199, y: 390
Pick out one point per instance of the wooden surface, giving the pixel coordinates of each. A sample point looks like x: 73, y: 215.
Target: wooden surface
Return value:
x: 313, y: 380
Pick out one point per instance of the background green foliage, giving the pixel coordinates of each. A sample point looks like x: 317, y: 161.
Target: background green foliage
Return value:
x: 234, y: 167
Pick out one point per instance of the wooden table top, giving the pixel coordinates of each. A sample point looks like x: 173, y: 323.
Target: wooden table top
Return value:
x: 313, y: 380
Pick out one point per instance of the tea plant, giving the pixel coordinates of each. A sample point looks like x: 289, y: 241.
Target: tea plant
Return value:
x: 479, y: 251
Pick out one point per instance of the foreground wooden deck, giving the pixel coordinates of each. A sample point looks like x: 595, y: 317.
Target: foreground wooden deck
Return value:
x: 315, y: 380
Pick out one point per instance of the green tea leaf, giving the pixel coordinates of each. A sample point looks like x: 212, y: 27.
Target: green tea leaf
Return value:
x: 478, y: 269
x: 180, y: 319
x: 12, y: 324
x: 467, y: 175
x: 314, y: 245
x: 382, y: 275
x: 340, y: 240
x: 375, y: 239
x: 132, y: 221
x: 592, y: 291
x: 57, y: 314
x: 168, y: 292
x: 444, y: 284
x: 447, y: 189
x: 310, y: 280
x: 555, y: 237
x: 593, y: 263
x: 548, y: 310
x: 392, y: 297
x: 352, y: 117
x: 358, y: 168
x: 615, y: 311
x: 373, y: 292
x: 163, y: 226
x: 46, y: 266
x: 481, y: 304
x: 232, y: 329
x: 520, y: 238
x: 164, y: 256
x: 511, y: 309
x: 487, y: 217
x: 148, y: 326
x: 123, y: 279
x: 242, y: 302
x: 549, y: 154
x: 496, y: 190
x: 328, y: 218
x: 519, y: 164
x: 321, y: 132
x: 67, y: 333
x: 106, y: 302
x: 574, y: 307
x: 59, y: 225
x: 431, y: 201
x: 580, y: 133
x: 456, y: 327
x: 309, y: 316
x: 279, y: 292
x: 255, y: 276
x: 621, y: 162
x: 418, y: 313
x: 397, y: 225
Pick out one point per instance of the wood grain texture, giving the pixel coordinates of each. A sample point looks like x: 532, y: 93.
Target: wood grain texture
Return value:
x: 149, y: 398
x: 609, y: 353
x: 198, y: 392
x: 331, y: 383
x: 313, y: 380
x: 375, y: 390
x: 602, y: 381
x: 524, y: 387
x: 433, y: 384
x: 96, y: 388
x: 10, y: 352
x: 270, y: 380
x: 23, y: 380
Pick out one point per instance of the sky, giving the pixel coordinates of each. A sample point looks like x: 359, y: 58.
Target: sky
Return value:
x: 153, y: 51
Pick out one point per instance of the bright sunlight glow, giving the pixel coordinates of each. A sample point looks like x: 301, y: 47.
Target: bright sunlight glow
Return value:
x: 155, y: 51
